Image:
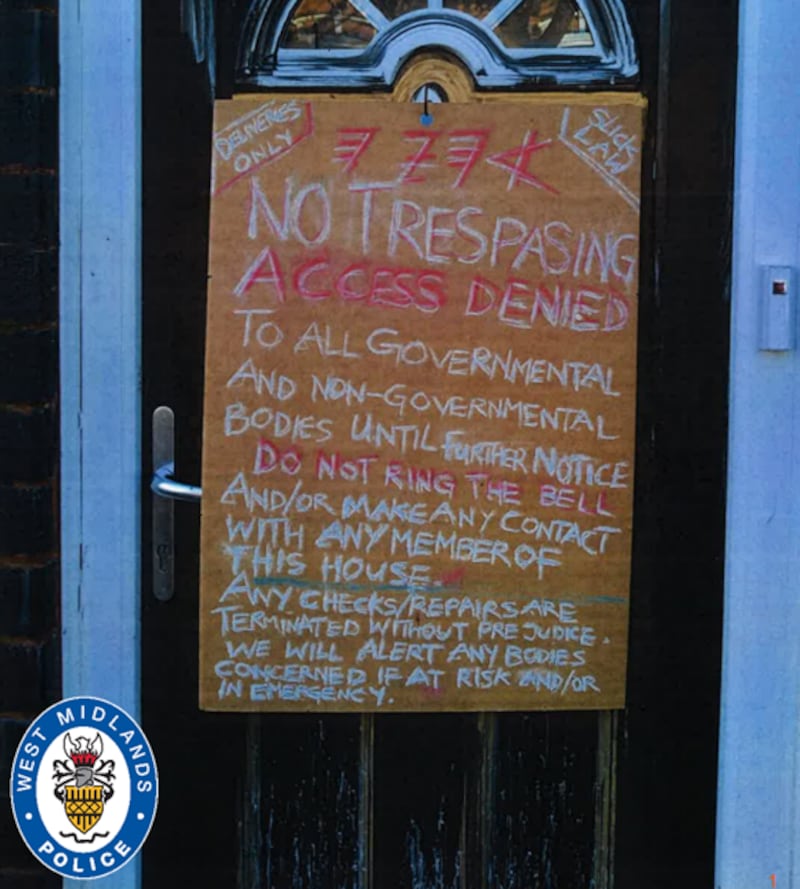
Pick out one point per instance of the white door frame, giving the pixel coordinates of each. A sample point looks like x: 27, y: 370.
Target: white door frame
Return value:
x: 101, y: 484
x: 757, y: 828
x: 100, y: 331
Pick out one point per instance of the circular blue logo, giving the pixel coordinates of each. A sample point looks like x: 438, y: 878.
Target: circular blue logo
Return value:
x: 84, y: 788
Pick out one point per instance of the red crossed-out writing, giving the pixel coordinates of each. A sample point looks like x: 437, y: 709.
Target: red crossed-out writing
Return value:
x: 461, y: 150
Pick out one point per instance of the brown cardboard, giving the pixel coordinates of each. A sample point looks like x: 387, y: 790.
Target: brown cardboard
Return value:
x: 419, y: 405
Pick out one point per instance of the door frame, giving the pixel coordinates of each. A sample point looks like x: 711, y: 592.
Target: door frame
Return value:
x: 102, y: 485
x: 100, y: 320
x: 757, y: 825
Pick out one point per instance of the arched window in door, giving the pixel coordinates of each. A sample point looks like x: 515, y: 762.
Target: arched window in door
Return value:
x: 503, y: 43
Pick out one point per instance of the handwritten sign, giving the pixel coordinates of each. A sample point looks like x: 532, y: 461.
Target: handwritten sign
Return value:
x: 419, y: 405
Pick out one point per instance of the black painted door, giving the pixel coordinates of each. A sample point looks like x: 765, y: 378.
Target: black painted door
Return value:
x: 511, y: 801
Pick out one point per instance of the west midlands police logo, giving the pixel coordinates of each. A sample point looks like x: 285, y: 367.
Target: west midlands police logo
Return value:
x: 84, y: 788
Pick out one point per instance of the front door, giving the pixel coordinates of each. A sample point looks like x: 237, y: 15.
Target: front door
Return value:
x: 524, y: 800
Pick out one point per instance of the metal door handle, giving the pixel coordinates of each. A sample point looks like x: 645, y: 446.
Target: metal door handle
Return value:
x: 165, y: 485
x: 166, y: 490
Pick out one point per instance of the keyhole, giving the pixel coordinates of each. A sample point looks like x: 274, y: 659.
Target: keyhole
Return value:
x: 163, y: 551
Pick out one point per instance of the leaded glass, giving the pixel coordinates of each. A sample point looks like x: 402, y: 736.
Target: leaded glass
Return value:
x: 545, y: 23
x: 393, y: 9
x: 478, y: 9
x: 327, y: 24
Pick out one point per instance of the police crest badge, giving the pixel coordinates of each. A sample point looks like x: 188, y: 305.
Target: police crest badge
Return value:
x: 83, y: 783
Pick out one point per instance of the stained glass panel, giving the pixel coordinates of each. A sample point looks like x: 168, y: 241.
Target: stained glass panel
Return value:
x: 327, y: 24
x: 393, y: 9
x: 476, y: 8
x: 545, y: 23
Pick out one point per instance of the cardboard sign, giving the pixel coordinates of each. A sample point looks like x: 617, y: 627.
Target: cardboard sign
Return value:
x: 419, y: 405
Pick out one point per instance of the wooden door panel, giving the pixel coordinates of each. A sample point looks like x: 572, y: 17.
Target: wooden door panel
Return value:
x: 300, y: 796
x: 543, y: 787
x: 423, y: 770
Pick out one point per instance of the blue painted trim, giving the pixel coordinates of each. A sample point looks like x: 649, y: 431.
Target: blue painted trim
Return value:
x: 100, y: 208
x: 757, y: 828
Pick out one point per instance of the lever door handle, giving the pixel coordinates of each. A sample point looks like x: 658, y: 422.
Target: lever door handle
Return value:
x: 165, y: 485
x: 166, y: 490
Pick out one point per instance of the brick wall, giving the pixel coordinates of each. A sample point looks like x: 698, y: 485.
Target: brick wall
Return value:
x: 29, y: 649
